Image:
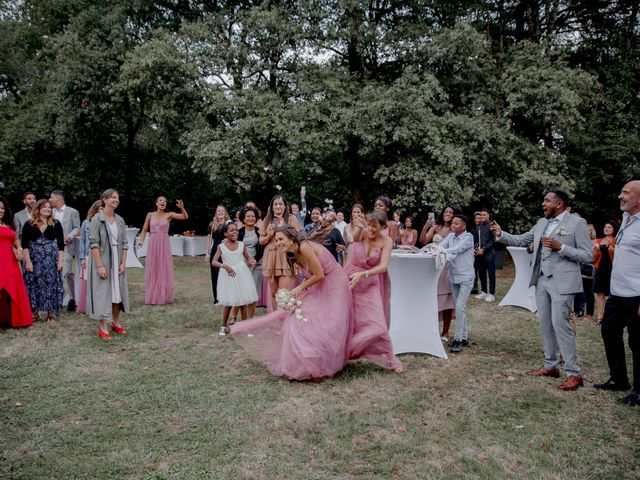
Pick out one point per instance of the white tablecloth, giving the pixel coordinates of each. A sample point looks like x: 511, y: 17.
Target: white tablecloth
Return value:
x: 194, y: 246
x: 520, y: 295
x: 177, y: 245
x: 132, y: 260
x: 414, y: 304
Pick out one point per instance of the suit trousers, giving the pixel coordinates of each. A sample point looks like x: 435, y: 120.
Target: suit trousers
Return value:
x: 557, y: 335
x: 486, y: 265
x: 68, y: 277
x: 620, y: 312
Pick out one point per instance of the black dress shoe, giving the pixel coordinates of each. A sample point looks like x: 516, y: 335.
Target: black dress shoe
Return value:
x: 612, y: 386
x: 632, y: 399
x: 71, y: 306
x: 465, y: 343
x: 456, y: 346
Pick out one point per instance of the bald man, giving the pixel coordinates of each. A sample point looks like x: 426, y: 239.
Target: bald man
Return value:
x: 623, y: 305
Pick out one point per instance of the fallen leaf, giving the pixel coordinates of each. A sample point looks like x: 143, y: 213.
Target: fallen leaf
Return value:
x: 18, y: 404
x: 545, y: 446
x: 511, y: 379
x: 482, y: 457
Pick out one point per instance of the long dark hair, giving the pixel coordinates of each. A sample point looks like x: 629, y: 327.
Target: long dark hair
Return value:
x: 292, y: 234
x: 387, y: 203
x: 268, y: 218
x: 8, y: 214
x: 609, y: 222
x: 456, y: 209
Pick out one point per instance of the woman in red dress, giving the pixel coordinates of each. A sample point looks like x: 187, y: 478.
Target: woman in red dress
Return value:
x: 15, y: 310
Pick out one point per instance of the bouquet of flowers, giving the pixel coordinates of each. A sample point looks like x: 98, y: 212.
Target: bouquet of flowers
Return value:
x: 287, y: 302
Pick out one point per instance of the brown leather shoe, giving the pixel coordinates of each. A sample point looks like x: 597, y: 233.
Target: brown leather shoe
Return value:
x: 571, y: 383
x: 543, y: 372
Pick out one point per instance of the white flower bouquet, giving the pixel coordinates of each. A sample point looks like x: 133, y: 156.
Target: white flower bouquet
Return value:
x: 287, y: 302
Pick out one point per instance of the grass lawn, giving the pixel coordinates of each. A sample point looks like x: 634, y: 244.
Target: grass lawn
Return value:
x: 173, y: 400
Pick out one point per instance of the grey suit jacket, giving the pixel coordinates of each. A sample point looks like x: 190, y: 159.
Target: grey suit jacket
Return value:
x: 70, y: 222
x: 563, y: 266
x: 22, y: 217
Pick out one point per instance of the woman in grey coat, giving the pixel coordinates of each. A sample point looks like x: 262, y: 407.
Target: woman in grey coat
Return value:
x: 107, y: 287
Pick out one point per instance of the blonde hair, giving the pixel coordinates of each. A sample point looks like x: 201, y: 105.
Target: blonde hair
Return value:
x: 215, y: 224
x: 95, y: 208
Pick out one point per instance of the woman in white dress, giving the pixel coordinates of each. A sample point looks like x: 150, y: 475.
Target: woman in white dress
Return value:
x: 236, y: 287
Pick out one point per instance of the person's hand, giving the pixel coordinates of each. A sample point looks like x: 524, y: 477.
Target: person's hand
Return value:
x: 67, y: 240
x: 83, y: 263
x: 59, y: 265
x: 604, y: 242
x: 230, y: 271
x: 495, y: 229
x: 551, y: 243
x: 341, y: 248
x: 102, y: 272
x: 355, y: 278
x: 18, y: 254
x: 271, y: 230
x: 302, y: 194
x: 28, y: 266
x: 121, y: 268
x: 428, y: 224
x: 480, y: 252
x: 180, y: 204
x: 252, y: 263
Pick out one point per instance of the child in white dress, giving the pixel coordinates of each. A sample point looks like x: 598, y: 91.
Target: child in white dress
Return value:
x: 236, y: 287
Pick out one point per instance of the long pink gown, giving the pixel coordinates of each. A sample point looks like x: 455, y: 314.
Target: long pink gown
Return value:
x: 298, y: 349
x: 158, y: 272
x: 370, y: 338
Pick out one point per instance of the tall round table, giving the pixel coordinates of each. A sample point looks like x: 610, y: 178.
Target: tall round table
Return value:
x: 520, y: 294
x: 132, y: 260
x: 414, y: 304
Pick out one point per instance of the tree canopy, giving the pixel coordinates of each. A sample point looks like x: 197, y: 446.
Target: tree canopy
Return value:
x: 429, y: 101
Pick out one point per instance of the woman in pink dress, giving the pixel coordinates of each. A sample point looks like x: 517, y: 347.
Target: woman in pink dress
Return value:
x: 368, y: 259
x: 158, y: 272
x: 435, y: 232
x: 315, y: 345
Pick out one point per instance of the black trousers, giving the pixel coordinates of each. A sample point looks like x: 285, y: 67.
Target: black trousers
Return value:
x: 621, y: 312
x: 486, y: 264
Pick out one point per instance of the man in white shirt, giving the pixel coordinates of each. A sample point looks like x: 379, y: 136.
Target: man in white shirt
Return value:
x: 340, y: 223
x: 623, y: 305
x: 561, y: 243
x: 70, y: 220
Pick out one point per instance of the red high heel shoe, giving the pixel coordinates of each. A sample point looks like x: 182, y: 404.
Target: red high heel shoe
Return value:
x: 118, y: 329
x: 104, y: 335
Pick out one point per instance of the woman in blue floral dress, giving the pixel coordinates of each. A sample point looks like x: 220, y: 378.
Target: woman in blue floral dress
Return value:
x: 43, y: 244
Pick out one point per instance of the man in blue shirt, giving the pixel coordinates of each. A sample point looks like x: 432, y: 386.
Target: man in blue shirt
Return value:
x: 623, y: 305
x: 459, y: 246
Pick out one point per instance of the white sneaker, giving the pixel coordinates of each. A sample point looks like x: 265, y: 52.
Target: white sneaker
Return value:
x: 489, y: 298
x: 481, y: 296
x: 223, y: 331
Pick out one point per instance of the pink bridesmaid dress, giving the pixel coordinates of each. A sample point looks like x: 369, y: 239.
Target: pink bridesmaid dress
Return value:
x: 158, y: 273
x: 299, y: 349
x: 370, y: 338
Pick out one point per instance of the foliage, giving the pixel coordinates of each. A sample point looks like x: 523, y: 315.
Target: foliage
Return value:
x: 429, y: 101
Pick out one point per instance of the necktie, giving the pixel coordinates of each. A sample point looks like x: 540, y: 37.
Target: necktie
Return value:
x: 536, y: 264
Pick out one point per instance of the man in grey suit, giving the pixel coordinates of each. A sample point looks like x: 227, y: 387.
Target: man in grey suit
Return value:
x: 23, y: 216
x: 70, y: 220
x: 561, y: 243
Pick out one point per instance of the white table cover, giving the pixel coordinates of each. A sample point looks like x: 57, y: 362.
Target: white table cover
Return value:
x: 520, y: 294
x: 414, y: 304
x: 177, y: 245
x: 194, y: 246
x: 132, y: 260
x: 142, y: 251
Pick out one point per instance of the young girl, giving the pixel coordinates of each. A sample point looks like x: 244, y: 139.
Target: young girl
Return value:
x: 236, y: 287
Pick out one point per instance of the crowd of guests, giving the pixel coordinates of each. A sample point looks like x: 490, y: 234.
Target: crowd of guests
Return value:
x: 336, y: 273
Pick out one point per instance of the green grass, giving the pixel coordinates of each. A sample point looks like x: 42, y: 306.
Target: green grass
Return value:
x: 172, y: 400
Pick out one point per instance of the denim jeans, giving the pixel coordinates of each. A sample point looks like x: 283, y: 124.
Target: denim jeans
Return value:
x: 461, y: 292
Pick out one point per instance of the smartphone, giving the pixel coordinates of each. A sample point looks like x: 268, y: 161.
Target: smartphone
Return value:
x: 303, y: 189
x: 431, y: 216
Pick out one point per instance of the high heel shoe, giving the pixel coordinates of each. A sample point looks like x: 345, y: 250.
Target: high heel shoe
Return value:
x: 118, y: 329
x: 104, y: 335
